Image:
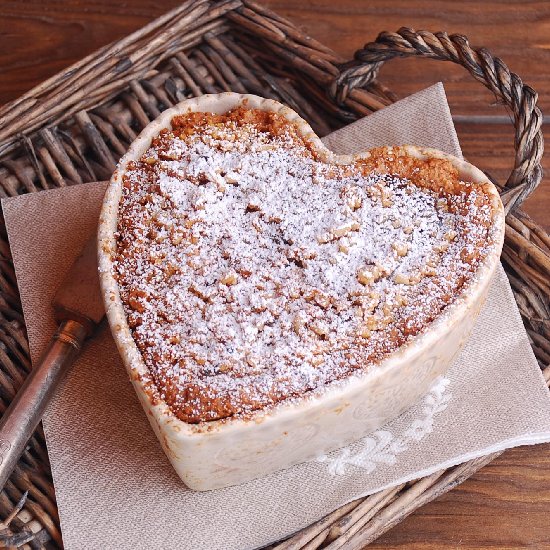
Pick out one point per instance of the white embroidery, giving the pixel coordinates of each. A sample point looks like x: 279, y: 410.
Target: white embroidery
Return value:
x: 382, y: 447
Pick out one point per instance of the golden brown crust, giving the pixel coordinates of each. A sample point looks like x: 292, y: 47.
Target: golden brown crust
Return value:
x: 177, y: 280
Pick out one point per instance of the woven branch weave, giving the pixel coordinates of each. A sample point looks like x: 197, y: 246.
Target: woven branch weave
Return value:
x: 74, y: 127
x: 490, y: 71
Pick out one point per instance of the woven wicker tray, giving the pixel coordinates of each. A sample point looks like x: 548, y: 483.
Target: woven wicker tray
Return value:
x: 74, y: 127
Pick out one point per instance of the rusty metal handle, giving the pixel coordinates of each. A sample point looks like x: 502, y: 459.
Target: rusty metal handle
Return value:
x: 25, y: 411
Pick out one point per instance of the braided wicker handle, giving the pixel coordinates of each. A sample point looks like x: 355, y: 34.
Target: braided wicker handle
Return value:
x: 490, y: 71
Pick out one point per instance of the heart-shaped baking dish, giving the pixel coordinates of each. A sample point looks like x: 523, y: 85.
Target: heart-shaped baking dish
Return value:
x: 236, y: 448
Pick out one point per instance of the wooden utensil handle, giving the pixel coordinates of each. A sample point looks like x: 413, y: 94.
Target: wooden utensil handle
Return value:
x: 24, y: 413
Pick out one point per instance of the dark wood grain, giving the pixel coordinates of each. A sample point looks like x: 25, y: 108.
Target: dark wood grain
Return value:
x: 506, y: 504
x: 519, y: 32
x: 503, y: 506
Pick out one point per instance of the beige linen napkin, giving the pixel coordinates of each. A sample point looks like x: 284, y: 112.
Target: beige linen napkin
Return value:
x: 116, y: 489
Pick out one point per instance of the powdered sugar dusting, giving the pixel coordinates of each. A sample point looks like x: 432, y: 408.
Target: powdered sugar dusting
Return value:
x: 251, y: 272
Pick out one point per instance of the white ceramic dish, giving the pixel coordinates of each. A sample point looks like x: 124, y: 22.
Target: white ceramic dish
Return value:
x: 223, y: 453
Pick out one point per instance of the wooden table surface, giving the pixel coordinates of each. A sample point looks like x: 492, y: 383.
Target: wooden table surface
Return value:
x: 506, y: 504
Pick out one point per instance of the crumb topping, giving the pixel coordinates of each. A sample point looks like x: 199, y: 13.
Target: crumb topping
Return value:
x: 252, y: 272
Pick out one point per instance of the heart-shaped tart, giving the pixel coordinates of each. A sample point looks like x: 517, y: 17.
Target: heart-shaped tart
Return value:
x: 260, y: 287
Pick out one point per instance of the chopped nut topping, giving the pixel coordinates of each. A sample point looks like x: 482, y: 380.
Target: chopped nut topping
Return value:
x: 252, y: 360
x: 450, y: 235
x: 136, y: 304
x: 199, y: 292
x: 401, y: 249
x: 343, y: 246
x: 320, y: 328
x: 371, y: 323
x: 367, y: 275
x: 352, y: 196
x: 364, y: 332
x: 401, y: 300
x: 345, y: 228
x: 321, y: 299
x: 386, y: 198
x: 403, y: 279
x: 232, y: 178
x: 298, y: 323
x: 268, y: 273
x: 325, y: 238
x: 429, y: 271
x: 230, y: 278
